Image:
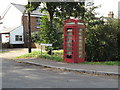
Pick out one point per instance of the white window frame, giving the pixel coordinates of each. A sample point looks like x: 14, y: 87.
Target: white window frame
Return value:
x: 18, y: 38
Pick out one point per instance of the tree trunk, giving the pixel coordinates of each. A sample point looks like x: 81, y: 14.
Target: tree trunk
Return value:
x: 51, y: 18
x: 29, y: 33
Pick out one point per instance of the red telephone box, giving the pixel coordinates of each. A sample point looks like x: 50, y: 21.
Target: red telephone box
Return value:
x: 74, y: 41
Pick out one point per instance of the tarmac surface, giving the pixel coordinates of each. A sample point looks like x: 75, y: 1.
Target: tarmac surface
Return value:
x: 83, y: 68
x: 22, y: 75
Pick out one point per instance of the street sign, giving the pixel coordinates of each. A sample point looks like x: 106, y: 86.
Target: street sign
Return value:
x: 42, y: 44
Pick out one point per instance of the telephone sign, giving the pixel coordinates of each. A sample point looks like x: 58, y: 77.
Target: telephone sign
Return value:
x: 74, y: 41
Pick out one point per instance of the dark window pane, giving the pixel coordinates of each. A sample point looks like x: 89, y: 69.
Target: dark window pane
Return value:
x: 18, y: 38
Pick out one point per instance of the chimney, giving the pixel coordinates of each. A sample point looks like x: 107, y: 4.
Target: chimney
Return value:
x: 0, y: 17
x: 111, y: 14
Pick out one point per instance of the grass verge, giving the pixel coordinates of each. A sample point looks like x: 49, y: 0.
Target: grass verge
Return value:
x: 103, y: 63
x: 37, y: 54
x: 58, y: 56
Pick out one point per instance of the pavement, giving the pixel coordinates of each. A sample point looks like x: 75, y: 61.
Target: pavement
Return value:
x: 82, y: 68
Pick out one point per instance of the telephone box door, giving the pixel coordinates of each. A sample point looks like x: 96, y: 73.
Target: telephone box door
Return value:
x: 69, y: 44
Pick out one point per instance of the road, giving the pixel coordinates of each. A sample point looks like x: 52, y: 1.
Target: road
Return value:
x: 20, y: 75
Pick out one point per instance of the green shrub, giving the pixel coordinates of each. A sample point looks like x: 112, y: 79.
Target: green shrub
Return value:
x: 50, y: 34
x: 102, y: 42
x: 35, y: 37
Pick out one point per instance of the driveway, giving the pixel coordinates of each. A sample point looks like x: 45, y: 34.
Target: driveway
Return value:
x: 14, y: 52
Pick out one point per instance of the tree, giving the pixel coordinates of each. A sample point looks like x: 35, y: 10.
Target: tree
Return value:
x: 61, y: 9
x: 32, y: 6
x: 51, y: 7
x: 71, y: 9
x: 50, y: 36
x: 57, y: 9
x: 29, y: 9
x: 102, y: 42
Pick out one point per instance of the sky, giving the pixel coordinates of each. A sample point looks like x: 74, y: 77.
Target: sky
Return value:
x: 4, y: 4
x: 106, y: 6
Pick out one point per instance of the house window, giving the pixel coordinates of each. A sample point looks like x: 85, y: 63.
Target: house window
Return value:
x: 38, y: 22
x: 18, y: 37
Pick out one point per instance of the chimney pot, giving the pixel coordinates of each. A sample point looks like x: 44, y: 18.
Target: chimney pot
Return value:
x: 111, y: 14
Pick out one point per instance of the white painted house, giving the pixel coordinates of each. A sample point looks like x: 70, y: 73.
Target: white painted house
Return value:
x: 12, y: 21
x: 16, y: 36
x: 13, y: 35
x: 11, y: 29
x: 12, y: 15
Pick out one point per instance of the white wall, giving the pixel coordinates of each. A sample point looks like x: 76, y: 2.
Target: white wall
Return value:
x: 12, y: 17
x: 17, y: 31
x: 5, y: 38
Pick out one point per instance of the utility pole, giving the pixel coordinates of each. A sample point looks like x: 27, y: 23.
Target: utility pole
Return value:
x: 29, y: 31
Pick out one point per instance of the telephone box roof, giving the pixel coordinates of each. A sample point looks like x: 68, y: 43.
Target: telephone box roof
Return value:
x: 73, y: 20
